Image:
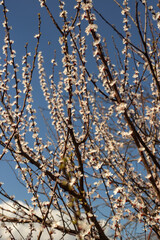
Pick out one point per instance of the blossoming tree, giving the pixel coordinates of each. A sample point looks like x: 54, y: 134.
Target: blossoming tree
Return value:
x: 99, y: 167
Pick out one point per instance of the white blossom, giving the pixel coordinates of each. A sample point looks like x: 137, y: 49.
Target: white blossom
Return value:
x: 91, y: 27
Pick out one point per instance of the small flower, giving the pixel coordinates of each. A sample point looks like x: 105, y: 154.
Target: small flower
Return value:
x: 63, y: 14
x: 136, y: 73
x: 91, y: 27
x: 121, y: 107
x: 118, y: 190
x: 37, y: 36
x: 1, y: 183
x: 86, y: 6
x: 148, y: 176
x: 61, y: 40
x: 42, y: 3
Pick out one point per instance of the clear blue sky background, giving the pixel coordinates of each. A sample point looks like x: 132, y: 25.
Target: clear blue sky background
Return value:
x: 24, y: 21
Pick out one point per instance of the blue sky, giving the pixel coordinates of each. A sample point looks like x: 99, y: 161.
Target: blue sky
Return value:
x: 24, y: 21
